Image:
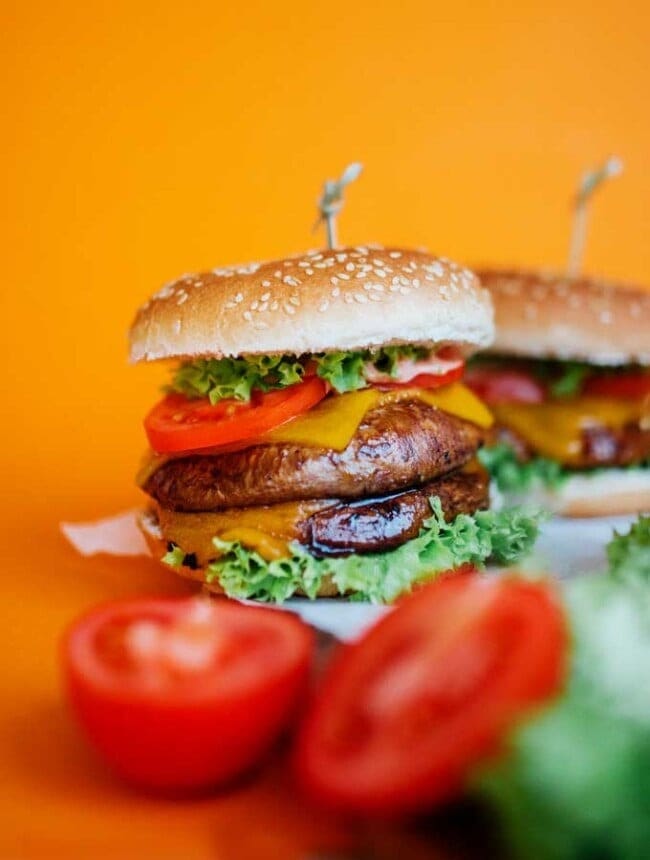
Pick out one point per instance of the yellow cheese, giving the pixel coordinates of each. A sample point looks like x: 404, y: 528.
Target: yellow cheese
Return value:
x: 458, y: 400
x: 266, y: 545
x: 330, y: 424
x: 554, y: 429
x: 334, y: 421
x: 268, y: 529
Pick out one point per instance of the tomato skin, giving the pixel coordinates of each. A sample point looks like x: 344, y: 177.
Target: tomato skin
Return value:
x: 495, y: 386
x: 397, y: 728
x: 625, y: 386
x: 199, y: 733
x: 179, y: 424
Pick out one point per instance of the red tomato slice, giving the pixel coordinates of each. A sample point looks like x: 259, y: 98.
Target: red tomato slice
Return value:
x: 429, y: 692
x: 427, y: 380
x: 182, y: 694
x: 625, y: 386
x: 179, y: 424
x: 504, y: 386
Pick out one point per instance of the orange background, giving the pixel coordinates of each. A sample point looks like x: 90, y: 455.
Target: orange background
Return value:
x: 143, y: 140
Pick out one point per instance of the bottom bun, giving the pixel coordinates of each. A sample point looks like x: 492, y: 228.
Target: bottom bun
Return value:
x: 150, y: 528
x: 609, y: 492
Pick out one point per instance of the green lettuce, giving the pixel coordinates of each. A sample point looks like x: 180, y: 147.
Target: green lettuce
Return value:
x: 503, y: 536
x: 575, y: 782
x: 513, y: 476
x: 629, y: 554
x: 224, y: 378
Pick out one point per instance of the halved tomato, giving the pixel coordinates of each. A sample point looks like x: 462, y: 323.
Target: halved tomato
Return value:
x: 631, y: 385
x: 496, y: 386
x: 429, y: 692
x: 180, y: 694
x: 180, y: 424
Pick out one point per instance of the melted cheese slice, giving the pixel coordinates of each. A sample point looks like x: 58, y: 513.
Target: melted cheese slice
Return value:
x: 334, y: 421
x: 267, y: 529
x: 554, y: 429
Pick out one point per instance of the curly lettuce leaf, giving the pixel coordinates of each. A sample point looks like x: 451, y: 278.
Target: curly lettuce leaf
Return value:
x: 513, y: 476
x: 225, y: 378
x: 503, y: 536
x: 629, y: 554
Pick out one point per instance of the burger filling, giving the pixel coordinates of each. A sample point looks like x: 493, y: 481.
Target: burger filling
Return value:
x: 555, y: 419
x: 275, y: 474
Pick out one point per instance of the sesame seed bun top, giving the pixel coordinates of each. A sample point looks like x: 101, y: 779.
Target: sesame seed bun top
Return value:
x: 548, y: 315
x: 342, y: 299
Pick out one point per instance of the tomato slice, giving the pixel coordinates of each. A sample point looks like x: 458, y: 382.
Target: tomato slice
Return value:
x: 496, y: 386
x: 632, y: 385
x: 180, y: 424
x: 179, y: 694
x: 405, y: 713
x: 427, y: 380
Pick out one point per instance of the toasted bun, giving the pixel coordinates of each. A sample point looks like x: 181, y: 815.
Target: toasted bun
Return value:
x: 604, y: 493
x: 345, y: 299
x: 545, y: 315
x: 157, y: 544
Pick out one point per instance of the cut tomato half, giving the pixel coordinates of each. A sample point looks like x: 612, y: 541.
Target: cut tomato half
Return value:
x: 180, y: 424
x: 428, y: 693
x: 182, y: 694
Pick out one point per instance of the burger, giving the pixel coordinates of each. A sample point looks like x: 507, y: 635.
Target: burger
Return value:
x: 568, y: 381
x: 316, y: 437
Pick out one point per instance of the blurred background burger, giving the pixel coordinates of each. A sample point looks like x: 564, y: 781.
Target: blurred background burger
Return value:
x: 568, y: 381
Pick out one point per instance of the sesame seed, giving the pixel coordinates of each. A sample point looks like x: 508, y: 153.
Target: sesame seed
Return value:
x: 334, y: 280
x: 266, y: 283
x: 395, y: 255
x: 248, y: 316
x: 324, y: 306
x: 360, y: 298
x: 349, y: 267
x: 380, y: 273
x: 265, y: 297
x: 294, y: 300
x: 255, y: 305
x: 289, y: 309
x: 361, y: 275
x: 239, y: 297
x: 336, y: 291
x: 277, y: 274
x: 344, y: 276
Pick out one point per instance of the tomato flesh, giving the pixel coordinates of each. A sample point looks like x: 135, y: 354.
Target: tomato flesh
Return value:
x: 179, y: 424
x: 626, y: 386
x: 185, y: 694
x: 430, y: 691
